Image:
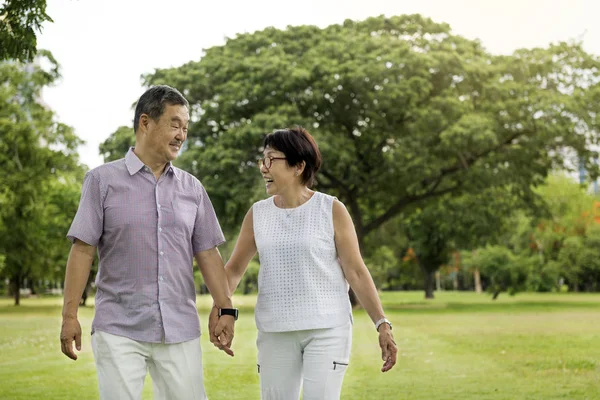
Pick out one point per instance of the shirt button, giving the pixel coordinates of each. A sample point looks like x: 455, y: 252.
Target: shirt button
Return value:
x: 162, y: 253
x: 160, y: 278
x: 158, y: 206
x: 159, y: 229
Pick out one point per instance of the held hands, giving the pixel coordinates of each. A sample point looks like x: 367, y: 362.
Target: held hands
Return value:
x: 388, y: 347
x: 221, y: 330
x: 71, y: 330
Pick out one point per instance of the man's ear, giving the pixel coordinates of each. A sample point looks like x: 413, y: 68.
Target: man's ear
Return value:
x: 143, y: 123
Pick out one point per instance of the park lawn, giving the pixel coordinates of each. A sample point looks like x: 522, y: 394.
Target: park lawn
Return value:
x: 458, y: 346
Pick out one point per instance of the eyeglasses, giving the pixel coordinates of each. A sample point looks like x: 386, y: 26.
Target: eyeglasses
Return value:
x: 268, y: 161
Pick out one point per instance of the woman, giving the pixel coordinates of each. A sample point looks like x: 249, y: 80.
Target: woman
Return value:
x: 309, y: 253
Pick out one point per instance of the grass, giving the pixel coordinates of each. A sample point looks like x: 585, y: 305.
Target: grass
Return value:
x: 458, y: 346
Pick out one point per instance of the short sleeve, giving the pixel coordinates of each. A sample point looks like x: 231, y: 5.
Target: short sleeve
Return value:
x: 88, y: 224
x: 207, y: 231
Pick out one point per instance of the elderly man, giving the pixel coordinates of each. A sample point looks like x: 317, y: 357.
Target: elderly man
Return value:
x: 148, y: 220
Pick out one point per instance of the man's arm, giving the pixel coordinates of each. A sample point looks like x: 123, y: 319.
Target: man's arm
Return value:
x: 78, y: 270
x: 213, y: 271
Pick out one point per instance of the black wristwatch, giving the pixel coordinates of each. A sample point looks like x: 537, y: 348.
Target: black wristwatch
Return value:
x: 229, y: 311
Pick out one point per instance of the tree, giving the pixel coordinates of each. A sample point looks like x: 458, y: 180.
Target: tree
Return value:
x: 454, y: 222
x: 505, y: 271
x: 117, y: 144
x: 35, y: 151
x: 404, y: 111
x: 19, y: 21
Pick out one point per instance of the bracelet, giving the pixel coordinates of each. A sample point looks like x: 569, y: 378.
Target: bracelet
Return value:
x: 382, y: 321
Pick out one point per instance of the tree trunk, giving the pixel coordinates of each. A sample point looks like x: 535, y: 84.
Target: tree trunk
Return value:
x: 429, y: 281
x: 477, y: 278
x: 16, y: 284
x: 31, y: 285
x: 495, y: 296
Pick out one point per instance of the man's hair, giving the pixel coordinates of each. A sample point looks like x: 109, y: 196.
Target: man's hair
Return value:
x: 298, y: 145
x: 153, y: 101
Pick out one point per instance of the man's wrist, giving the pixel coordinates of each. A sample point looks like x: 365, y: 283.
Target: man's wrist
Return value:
x: 229, y: 311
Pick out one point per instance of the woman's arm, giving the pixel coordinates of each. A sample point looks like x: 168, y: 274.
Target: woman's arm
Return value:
x: 360, y: 280
x: 244, y: 250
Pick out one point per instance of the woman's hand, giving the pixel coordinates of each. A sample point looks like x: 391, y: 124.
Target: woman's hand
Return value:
x: 389, y: 350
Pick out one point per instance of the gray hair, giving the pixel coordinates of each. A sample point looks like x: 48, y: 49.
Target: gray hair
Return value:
x: 153, y: 101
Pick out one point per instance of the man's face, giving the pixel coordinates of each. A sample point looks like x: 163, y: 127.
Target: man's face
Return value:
x: 165, y: 136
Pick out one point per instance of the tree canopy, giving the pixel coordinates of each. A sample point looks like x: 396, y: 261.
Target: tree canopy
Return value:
x: 19, y: 21
x: 404, y: 110
x: 39, y: 165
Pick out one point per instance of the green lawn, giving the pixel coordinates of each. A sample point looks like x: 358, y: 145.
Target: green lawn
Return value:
x: 458, y: 346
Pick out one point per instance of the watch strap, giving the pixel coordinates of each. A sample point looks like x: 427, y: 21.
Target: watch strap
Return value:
x: 382, y: 321
x: 229, y: 311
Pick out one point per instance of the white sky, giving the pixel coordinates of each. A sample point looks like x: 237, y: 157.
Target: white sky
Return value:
x: 103, y: 46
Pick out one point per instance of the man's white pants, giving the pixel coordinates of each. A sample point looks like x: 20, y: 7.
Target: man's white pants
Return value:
x: 315, y: 359
x: 122, y: 364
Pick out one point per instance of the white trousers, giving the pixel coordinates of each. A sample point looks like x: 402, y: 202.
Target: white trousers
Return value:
x: 122, y: 365
x: 315, y: 360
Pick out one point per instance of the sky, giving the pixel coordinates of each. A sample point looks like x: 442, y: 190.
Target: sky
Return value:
x: 104, y: 46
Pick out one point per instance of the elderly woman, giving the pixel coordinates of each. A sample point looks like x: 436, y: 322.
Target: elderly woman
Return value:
x: 309, y: 253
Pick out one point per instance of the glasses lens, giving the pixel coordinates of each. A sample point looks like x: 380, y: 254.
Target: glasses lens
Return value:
x: 267, y: 162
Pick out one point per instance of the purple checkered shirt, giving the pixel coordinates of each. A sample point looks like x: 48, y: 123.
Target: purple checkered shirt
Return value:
x: 147, y: 232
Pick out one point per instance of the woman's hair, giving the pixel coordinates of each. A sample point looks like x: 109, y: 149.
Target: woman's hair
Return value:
x: 298, y: 145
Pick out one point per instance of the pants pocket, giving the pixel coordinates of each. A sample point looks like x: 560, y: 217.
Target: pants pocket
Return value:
x: 339, y: 365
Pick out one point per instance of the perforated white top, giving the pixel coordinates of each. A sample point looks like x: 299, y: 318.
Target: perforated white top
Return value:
x: 301, y: 284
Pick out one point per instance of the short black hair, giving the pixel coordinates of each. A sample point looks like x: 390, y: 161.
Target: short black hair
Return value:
x: 298, y: 145
x: 153, y: 101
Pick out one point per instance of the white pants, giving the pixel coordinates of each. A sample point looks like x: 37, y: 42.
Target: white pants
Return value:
x: 122, y: 364
x: 315, y: 359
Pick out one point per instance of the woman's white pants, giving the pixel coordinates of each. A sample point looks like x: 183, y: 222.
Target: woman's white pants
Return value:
x: 315, y: 360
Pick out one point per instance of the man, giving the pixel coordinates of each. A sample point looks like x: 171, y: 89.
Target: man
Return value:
x: 148, y: 219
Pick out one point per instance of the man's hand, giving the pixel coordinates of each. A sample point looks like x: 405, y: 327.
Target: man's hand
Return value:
x: 388, y: 347
x: 71, y: 330
x: 221, y: 330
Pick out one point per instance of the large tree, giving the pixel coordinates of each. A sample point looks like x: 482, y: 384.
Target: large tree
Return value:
x: 19, y: 22
x: 404, y: 110
x: 35, y: 151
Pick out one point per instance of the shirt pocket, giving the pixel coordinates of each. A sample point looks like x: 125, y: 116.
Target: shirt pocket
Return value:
x: 184, y: 212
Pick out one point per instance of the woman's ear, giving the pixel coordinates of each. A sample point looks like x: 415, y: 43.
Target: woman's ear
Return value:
x: 300, y: 168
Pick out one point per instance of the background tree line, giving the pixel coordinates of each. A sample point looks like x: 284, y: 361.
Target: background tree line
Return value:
x: 437, y: 147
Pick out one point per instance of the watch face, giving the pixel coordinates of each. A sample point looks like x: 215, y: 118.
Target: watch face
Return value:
x: 229, y: 311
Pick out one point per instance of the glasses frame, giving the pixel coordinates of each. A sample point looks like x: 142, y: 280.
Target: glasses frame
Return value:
x: 267, y: 165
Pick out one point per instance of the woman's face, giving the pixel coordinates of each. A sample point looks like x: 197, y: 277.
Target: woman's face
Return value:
x: 276, y: 172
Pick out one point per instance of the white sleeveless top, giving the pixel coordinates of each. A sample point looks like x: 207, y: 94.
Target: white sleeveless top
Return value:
x: 301, y: 284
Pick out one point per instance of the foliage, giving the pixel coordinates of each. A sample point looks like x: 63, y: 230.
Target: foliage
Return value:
x: 40, y: 166
x: 403, y: 109
x: 19, y: 21
x: 117, y: 144
x: 504, y: 270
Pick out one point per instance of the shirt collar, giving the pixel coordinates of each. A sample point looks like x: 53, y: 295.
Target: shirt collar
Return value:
x: 134, y: 165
